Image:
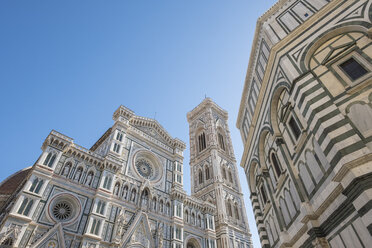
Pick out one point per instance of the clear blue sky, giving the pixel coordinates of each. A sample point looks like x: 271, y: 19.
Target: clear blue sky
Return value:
x: 67, y: 65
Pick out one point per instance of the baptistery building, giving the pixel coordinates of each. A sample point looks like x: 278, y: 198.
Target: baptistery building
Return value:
x: 127, y: 191
x: 306, y: 123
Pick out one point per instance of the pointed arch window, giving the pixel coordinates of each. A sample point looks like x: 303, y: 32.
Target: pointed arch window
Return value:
x: 100, y: 207
x: 36, y: 185
x: 207, y: 173
x: 107, y: 182
x: 95, y: 227
x: 200, y: 176
x: 229, y: 210
x: 193, y: 218
x: 201, y: 142
x: 49, y: 160
x: 25, y: 207
x: 230, y: 176
x: 221, y: 142
x: 167, y: 208
x: 236, y: 209
x: 224, y: 173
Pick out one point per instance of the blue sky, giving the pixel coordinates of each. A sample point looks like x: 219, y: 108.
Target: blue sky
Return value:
x: 67, y: 65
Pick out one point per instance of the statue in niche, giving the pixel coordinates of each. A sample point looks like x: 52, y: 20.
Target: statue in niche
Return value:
x: 89, y: 178
x: 160, y: 236
x: 66, y: 170
x: 116, y: 189
x: 78, y: 174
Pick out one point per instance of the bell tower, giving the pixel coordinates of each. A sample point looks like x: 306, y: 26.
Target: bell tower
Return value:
x: 214, y: 174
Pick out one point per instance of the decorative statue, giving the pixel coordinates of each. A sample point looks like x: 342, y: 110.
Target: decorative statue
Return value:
x: 160, y: 235
x: 78, y: 174
x: 89, y: 179
x: 66, y: 170
x: 121, y: 226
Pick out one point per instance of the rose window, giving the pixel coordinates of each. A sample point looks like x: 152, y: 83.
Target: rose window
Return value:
x: 144, y: 168
x: 62, y: 210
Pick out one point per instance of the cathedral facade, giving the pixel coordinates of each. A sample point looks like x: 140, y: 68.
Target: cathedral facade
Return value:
x: 306, y: 123
x: 126, y: 191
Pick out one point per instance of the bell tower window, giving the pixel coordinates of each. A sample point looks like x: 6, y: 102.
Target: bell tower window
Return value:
x: 201, y: 142
x: 221, y: 142
x: 200, y: 177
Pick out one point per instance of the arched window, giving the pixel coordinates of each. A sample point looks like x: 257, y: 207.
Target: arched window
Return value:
x: 107, y: 182
x: 228, y: 207
x: 221, y: 142
x: 101, y: 207
x: 236, y: 209
x: 275, y: 163
x: 116, y: 188
x: 207, y: 175
x: 25, y: 207
x: 49, y: 160
x: 193, y: 219
x: 167, y: 208
x: 224, y: 173
x: 95, y: 226
x: 230, y: 176
x: 36, y: 185
x: 133, y: 195
x: 199, y: 221
x: 200, y: 176
x: 201, y: 142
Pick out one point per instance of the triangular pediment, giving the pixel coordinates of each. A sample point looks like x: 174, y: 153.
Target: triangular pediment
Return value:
x: 53, y: 238
x: 152, y: 128
x: 139, y: 233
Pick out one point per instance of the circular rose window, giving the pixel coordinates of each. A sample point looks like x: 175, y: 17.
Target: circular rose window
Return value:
x: 62, y: 210
x: 64, y: 207
x: 144, y: 168
x: 147, y: 165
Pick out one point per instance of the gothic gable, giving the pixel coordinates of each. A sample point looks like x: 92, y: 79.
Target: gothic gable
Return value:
x: 53, y: 238
x: 153, y: 129
x: 139, y: 233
